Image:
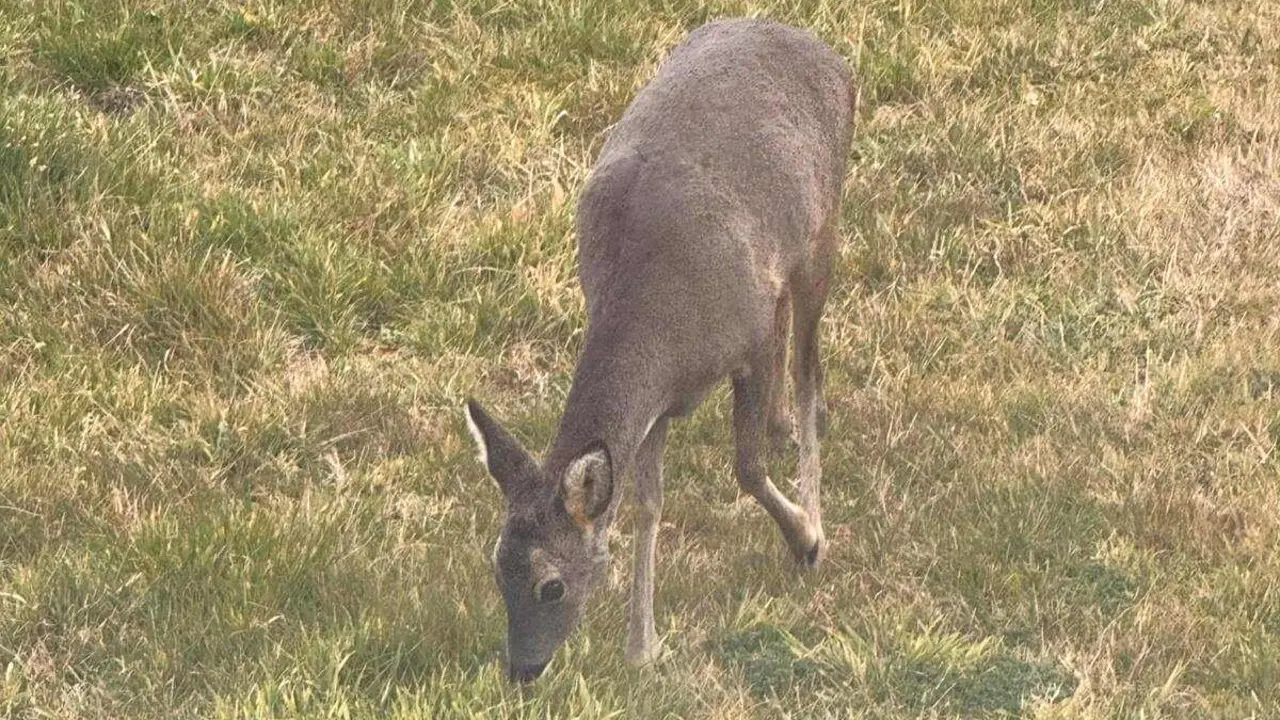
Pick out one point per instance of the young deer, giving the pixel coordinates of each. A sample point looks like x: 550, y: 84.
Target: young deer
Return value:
x: 706, y: 229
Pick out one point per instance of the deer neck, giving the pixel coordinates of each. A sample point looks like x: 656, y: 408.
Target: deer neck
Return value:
x: 619, y: 390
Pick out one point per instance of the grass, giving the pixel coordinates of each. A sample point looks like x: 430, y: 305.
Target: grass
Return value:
x: 254, y: 254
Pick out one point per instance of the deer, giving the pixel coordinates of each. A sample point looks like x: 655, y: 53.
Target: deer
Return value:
x: 707, y: 231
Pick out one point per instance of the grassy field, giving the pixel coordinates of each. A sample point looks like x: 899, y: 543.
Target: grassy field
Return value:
x: 254, y: 254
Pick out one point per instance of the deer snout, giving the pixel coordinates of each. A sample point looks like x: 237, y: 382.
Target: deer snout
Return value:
x: 525, y: 673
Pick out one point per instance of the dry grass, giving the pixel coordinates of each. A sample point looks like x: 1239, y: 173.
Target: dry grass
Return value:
x: 253, y: 254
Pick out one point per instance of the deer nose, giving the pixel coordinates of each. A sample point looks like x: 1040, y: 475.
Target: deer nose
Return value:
x: 525, y: 673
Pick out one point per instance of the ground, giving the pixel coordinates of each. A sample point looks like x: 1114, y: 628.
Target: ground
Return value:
x: 254, y: 255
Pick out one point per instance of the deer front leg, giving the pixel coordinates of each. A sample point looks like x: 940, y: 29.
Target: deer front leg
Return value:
x: 642, y: 639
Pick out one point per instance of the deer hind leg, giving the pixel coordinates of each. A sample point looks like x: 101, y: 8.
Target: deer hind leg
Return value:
x: 642, y: 639
x: 780, y: 425
x: 751, y: 392
x: 809, y: 296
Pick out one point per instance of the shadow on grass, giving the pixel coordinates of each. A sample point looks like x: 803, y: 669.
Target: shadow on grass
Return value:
x: 910, y: 669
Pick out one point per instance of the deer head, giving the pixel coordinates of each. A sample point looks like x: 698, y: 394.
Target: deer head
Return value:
x: 553, y: 548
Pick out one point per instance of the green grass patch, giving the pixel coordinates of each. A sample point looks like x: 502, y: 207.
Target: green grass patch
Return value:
x: 253, y: 255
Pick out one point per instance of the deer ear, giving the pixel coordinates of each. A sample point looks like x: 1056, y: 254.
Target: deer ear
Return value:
x: 587, y: 485
x: 500, y: 453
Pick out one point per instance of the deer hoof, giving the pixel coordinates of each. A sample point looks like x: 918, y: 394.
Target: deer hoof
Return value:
x: 812, y: 557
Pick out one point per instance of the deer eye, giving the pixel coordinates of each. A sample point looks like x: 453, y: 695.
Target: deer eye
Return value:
x: 549, y: 591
